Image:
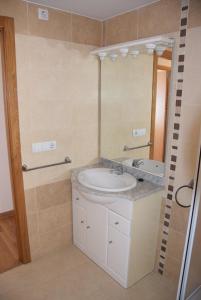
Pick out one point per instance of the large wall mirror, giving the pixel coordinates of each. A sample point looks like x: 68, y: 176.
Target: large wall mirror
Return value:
x: 134, y: 104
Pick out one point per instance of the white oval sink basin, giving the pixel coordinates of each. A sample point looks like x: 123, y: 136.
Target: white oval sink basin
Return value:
x: 153, y: 167
x: 105, y: 180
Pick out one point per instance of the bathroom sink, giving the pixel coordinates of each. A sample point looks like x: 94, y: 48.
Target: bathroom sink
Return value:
x: 153, y: 167
x: 106, y: 180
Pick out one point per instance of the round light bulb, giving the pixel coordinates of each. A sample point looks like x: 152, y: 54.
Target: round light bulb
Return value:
x: 102, y: 55
x: 113, y: 56
x: 124, y: 52
x: 134, y: 53
x: 150, y: 48
x: 160, y: 49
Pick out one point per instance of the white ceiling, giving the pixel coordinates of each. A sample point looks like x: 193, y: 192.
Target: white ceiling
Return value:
x: 96, y: 9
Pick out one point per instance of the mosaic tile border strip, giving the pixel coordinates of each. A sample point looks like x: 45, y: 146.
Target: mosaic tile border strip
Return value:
x: 176, y: 134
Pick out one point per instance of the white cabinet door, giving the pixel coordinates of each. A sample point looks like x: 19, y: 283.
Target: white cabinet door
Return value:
x: 96, y: 238
x: 79, y: 225
x: 118, y: 252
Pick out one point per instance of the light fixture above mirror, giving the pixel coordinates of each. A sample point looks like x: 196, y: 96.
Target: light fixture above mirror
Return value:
x: 134, y: 53
x: 158, y: 44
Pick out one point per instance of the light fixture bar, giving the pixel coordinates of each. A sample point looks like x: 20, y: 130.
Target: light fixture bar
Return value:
x: 138, y: 44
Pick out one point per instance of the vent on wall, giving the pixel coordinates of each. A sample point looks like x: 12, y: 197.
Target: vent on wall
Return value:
x: 43, y: 14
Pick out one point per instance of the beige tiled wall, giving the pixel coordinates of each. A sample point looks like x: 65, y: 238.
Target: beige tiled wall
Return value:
x: 49, y: 217
x: 159, y: 18
x: 121, y: 28
x: 188, y: 147
x: 58, y: 100
x: 195, y: 13
x: 61, y: 25
x: 155, y: 19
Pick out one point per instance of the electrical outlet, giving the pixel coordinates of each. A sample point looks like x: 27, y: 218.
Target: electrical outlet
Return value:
x: 139, y: 132
x: 44, y: 146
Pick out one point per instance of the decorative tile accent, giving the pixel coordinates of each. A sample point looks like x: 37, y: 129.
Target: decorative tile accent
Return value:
x: 175, y: 136
x: 184, y: 22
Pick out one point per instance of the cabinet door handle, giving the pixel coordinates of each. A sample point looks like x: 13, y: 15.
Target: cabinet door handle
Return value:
x: 82, y: 222
x: 116, y: 223
x: 88, y: 227
x: 77, y: 198
x: 110, y: 242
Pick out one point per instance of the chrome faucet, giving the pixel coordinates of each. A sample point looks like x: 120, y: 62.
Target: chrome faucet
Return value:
x: 137, y: 162
x: 118, y: 170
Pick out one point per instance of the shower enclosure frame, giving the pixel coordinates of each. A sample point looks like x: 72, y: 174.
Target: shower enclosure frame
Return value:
x: 13, y: 134
x: 190, y: 235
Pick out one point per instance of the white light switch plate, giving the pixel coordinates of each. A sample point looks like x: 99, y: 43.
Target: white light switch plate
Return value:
x: 139, y: 132
x: 44, y: 146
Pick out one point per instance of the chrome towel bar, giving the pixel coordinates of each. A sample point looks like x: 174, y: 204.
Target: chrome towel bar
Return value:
x: 126, y: 148
x: 25, y: 168
x: 190, y: 185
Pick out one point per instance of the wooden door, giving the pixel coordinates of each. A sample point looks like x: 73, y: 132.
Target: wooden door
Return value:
x: 11, y: 138
x: 160, y: 94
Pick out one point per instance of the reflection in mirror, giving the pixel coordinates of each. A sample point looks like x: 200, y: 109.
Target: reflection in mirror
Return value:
x: 134, y: 102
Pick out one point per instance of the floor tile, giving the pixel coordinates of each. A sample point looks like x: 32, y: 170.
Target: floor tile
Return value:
x: 67, y: 274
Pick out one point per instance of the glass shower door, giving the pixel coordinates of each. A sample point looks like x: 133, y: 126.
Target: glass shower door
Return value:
x: 190, y: 277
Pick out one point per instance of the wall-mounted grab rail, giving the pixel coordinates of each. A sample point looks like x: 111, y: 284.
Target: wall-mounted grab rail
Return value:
x: 126, y: 148
x: 25, y: 168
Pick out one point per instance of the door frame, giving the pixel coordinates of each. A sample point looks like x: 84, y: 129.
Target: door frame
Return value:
x: 13, y: 134
x: 167, y: 55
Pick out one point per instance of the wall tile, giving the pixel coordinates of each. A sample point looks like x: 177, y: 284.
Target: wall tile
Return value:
x: 179, y: 218
x: 188, y: 147
x: 16, y: 9
x: 163, y: 203
x: 49, y: 215
x: 48, y: 111
x: 176, y: 241
x: 172, y: 269
x: 57, y: 27
x: 33, y: 224
x: 192, y: 91
x: 34, y: 241
x: 63, y: 214
x: 159, y: 18
x: 86, y: 31
x: 31, y: 201
x: 121, y: 28
x: 195, y: 13
x: 53, y: 194
x: 47, y: 220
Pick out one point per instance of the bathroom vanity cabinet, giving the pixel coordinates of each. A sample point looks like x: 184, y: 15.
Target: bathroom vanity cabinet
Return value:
x: 121, y: 237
